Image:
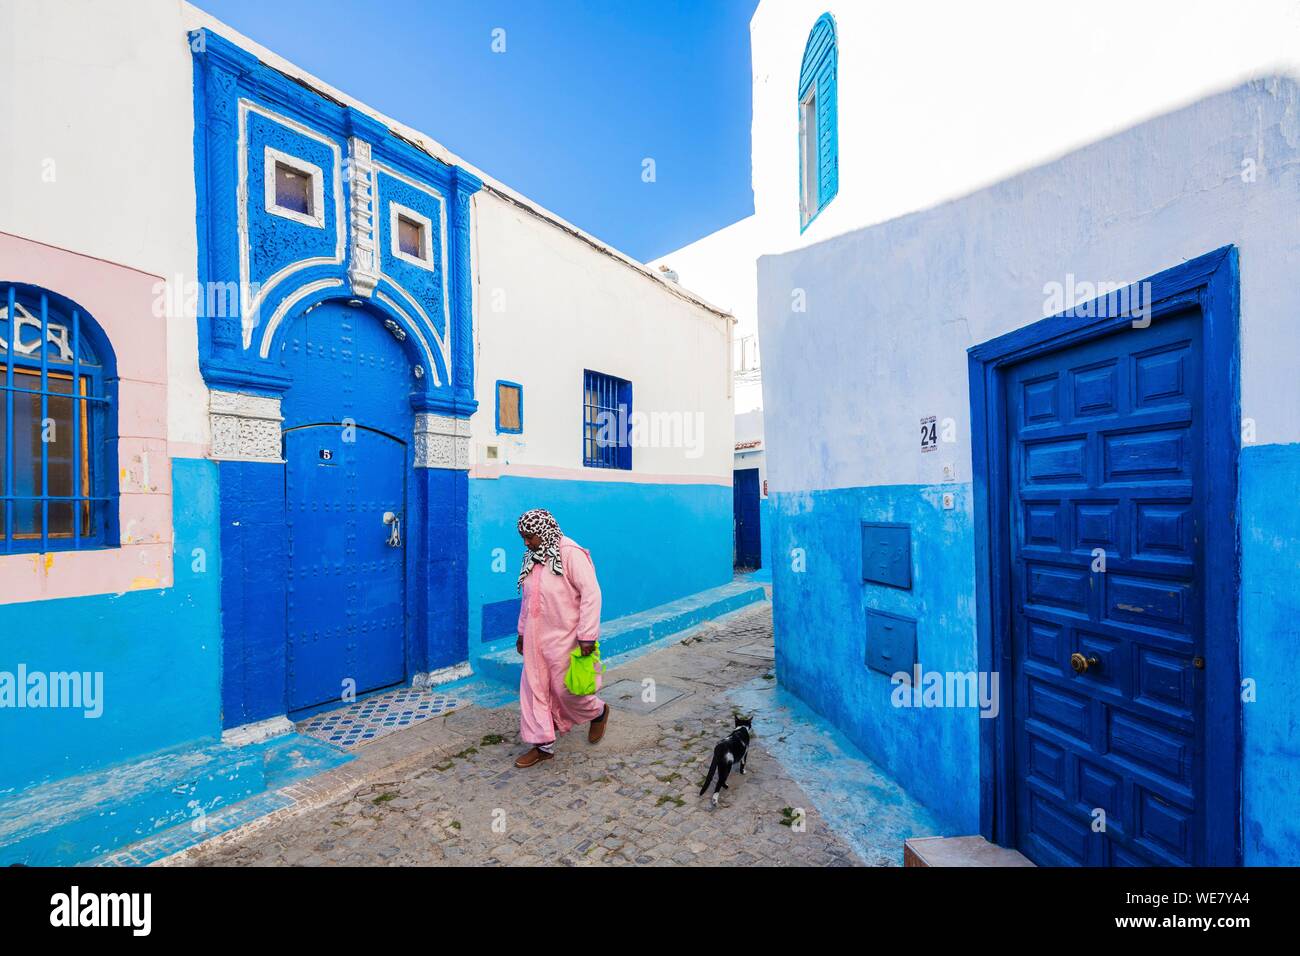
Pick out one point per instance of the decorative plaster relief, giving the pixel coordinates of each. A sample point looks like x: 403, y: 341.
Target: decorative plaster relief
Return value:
x: 245, y: 427
x: 364, y: 267
x: 441, y: 441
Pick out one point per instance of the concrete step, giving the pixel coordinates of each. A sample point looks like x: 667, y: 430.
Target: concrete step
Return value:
x: 959, y: 851
x: 624, y: 634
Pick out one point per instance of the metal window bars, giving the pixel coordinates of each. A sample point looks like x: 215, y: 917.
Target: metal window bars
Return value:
x: 82, y: 380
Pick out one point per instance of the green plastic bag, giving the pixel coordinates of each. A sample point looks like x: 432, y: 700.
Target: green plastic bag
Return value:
x: 585, y: 673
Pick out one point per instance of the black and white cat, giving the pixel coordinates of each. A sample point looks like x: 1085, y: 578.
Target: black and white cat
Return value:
x: 731, y: 751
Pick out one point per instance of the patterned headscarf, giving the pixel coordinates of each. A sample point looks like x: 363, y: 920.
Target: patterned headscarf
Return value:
x: 541, y: 523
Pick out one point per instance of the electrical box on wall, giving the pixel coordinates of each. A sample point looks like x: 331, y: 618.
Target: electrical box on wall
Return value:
x: 891, y: 642
x: 887, y: 554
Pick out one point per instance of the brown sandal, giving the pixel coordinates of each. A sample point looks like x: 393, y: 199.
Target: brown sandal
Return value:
x: 533, y: 757
x: 597, y: 730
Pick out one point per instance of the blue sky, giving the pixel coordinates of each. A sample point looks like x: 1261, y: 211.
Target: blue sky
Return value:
x: 582, y: 95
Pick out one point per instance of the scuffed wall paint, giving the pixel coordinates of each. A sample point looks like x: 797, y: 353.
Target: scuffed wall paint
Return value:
x: 820, y: 620
x: 159, y: 652
x: 1270, y: 622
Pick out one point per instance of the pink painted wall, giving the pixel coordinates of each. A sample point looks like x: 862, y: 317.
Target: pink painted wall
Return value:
x: 121, y: 301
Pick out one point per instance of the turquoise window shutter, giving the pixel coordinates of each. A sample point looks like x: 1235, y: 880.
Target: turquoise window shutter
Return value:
x: 819, y: 68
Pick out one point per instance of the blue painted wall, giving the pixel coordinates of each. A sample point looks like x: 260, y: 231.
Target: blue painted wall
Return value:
x: 934, y: 753
x: 254, y: 550
x: 159, y: 651
x: 820, y: 618
x: 765, y: 538
x: 651, y: 543
x: 1270, y: 636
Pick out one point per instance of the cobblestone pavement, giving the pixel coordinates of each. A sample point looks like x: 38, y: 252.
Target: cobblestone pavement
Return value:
x: 454, y: 797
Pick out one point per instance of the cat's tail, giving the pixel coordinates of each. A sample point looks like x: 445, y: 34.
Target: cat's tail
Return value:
x: 713, y: 767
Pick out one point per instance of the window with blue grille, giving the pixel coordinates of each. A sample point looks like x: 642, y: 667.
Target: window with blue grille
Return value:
x: 57, y: 425
x: 819, y: 159
x: 606, y: 417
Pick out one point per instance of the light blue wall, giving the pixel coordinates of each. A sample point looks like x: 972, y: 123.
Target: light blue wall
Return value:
x: 651, y: 543
x: 1270, y: 638
x: 820, y: 619
x: 159, y: 651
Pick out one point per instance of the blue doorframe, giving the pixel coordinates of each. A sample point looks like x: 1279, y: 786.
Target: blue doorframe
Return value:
x: 1211, y: 283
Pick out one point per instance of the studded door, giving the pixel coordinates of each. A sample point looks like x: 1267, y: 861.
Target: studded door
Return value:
x: 346, y: 587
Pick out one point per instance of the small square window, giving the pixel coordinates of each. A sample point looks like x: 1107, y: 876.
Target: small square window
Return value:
x: 410, y: 237
x: 510, y: 408
x: 293, y: 190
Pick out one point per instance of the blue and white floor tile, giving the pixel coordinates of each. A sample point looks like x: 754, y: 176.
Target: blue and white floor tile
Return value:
x: 378, y: 716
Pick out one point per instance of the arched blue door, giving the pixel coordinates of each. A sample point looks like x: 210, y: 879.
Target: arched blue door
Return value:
x: 346, y: 587
x: 345, y: 469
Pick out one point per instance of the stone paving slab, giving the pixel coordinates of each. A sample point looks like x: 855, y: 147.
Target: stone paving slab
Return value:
x: 628, y: 695
x: 446, y: 791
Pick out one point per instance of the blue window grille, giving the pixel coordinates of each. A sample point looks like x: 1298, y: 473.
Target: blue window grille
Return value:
x: 819, y: 151
x: 57, y: 428
x: 510, y: 408
x: 606, y: 416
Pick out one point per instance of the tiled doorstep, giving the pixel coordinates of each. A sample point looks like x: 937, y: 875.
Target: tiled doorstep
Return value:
x: 373, y: 717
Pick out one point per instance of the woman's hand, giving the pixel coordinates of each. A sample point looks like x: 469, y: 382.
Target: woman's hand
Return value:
x: 519, y: 643
x: 587, y: 647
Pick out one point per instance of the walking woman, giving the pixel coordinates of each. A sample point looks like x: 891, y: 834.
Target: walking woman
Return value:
x: 560, y: 610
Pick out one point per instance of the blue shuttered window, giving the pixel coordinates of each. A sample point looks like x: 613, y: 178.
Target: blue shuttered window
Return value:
x: 606, y: 417
x: 819, y: 161
x: 56, y: 425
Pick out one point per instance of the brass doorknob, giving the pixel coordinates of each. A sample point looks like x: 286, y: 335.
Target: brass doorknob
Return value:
x: 1081, y: 663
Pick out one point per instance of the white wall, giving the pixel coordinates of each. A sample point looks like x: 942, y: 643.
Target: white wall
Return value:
x: 940, y: 98
x: 96, y: 101
x: 97, y: 107
x: 749, y: 427
x: 893, y: 308
x: 721, y: 268
x: 564, y: 307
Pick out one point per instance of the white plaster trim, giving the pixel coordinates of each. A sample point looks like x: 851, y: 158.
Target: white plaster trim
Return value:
x: 257, y: 731
x: 287, y: 303
x: 272, y: 158
x: 443, y: 676
x: 415, y: 329
x: 443, y: 348
x: 364, y: 269
x: 425, y: 259
x: 442, y: 341
x: 251, y: 303
x: 244, y: 427
x: 441, y: 441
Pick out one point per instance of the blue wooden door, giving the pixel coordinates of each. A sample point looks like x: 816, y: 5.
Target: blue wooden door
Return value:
x: 346, y: 587
x: 745, y: 507
x: 1106, y: 458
